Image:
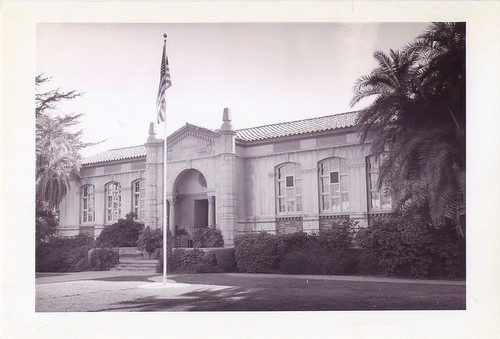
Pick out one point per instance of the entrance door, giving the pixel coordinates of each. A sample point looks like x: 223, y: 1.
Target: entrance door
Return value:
x: 200, y: 212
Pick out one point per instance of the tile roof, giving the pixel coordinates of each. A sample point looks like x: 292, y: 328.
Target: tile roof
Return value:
x: 290, y: 128
x: 116, y: 154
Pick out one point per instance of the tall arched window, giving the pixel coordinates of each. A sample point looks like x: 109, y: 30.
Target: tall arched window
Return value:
x: 113, y: 201
x: 333, y: 185
x: 288, y: 188
x: 378, y: 198
x: 138, y: 196
x: 88, y: 203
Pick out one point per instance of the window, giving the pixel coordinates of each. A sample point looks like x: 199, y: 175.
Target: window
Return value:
x: 138, y: 196
x: 288, y: 189
x: 333, y: 185
x: 378, y: 199
x: 88, y: 203
x: 113, y: 202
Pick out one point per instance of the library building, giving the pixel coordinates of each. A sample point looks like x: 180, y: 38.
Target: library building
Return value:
x: 282, y: 178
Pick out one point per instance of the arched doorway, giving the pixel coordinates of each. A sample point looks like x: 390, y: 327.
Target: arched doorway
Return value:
x: 194, y: 207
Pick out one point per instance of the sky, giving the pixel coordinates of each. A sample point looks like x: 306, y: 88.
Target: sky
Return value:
x: 264, y: 73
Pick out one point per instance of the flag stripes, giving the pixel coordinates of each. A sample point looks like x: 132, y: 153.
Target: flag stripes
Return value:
x: 165, y: 83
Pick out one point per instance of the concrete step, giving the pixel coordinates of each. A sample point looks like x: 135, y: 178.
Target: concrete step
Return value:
x: 128, y: 269
x: 135, y: 265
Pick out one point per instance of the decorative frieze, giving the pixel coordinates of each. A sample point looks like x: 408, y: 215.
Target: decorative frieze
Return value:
x: 287, y: 225
x: 112, y: 169
x: 286, y: 146
x: 331, y: 140
x: 327, y: 221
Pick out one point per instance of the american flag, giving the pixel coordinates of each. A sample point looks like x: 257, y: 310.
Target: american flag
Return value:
x: 165, y: 83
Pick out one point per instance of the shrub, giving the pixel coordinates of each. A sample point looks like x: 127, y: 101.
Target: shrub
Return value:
x: 369, y: 264
x: 225, y: 259
x: 63, y: 254
x: 45, y: 225
x: 256, y: 252
x: 102, y: 259
x: 193, y: 261
x: 338, y: 235
x: 77, y: 258
x: 404, y: 247
x: 316, y: 261
x: 124, y: 233
x: 50, y: 256
x: 149, y: 240
x: 199, y: 261
x: 296, y: 242
x: 204, y: 237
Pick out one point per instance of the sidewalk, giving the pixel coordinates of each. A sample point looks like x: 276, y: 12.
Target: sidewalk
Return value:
x: 47, y: 278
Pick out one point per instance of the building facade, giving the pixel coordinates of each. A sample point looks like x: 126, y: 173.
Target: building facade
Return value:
x: 287, y: 177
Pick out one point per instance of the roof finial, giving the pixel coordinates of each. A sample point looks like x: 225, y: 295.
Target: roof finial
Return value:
x: 226, y: 120
x: 152, y: 132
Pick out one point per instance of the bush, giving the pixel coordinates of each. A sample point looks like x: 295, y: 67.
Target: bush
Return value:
x: 50, y: 256
x: 77, y: 258
x: 225, y: 259
x: 204, y: 237
x: 369, y: 265
x: 320, y: 261
x: 102, y: 259
x: 124, y: 233
x: 298, y: 241
x: 45, y: 225
x: 404, y: 247
x: 150, y: 241
x: 338, y: 235
x: 199, y: 261
x: 193, y: 261
x: 256, y: 252
x: 63, y: 254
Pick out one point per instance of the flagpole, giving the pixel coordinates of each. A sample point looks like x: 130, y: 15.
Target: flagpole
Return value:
x: 165, y: 226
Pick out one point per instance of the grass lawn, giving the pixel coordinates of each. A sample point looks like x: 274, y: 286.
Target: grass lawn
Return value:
x: 281, y: 293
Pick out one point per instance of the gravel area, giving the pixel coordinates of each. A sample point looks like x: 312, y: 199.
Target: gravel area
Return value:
x: 96, y: 296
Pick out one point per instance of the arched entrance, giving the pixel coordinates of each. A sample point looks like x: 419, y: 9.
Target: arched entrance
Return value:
x: 194, y: 207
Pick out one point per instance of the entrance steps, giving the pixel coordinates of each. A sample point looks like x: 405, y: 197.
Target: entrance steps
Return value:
x: 136, y: 265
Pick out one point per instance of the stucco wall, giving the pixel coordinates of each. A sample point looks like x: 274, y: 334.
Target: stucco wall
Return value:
x: 124, y: 173
x: 241, y: 177
x: 258, y: 182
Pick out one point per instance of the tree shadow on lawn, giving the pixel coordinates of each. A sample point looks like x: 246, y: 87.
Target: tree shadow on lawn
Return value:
x: 292, y: 294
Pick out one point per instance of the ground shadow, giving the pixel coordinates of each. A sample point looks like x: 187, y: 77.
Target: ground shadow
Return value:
x: 286, y: 294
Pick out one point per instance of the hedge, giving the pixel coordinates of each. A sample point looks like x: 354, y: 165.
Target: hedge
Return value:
x: 393, y: 246
x: 256, y: 252
x: 63, y: 254
x: 199, y: 261
x: 123, y: 233
x: 74, y: 254
x: 412, y: 249
x: 207, y: 237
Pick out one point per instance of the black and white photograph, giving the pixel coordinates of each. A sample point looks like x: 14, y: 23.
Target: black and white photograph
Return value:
x: 292, y: 168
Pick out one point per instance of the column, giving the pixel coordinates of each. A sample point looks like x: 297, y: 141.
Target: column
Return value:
x: 211, y: 211
x: 226, y: 179
x: 153, y: 174
x: 171, y: 215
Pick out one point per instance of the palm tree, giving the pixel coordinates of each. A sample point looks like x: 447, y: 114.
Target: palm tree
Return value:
x: 57, y: 161
x: 418, y: 115
x: 57, y: 149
